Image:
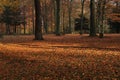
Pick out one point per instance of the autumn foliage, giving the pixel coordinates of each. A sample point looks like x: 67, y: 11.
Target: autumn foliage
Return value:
x: 69, y: 57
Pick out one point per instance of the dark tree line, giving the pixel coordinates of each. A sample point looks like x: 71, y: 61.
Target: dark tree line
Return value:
x: 57, y: 16
x: 38, y: 28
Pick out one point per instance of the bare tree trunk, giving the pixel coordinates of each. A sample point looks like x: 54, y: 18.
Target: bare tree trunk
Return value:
x: 101, y: 35
x: 15, y: 28
x: 24, y: 28
x: 92, y: 18
x: 100, y: 15
x: 45, y: 16
x: 33, y: 20
x: 58, y: 17
x: 69, y: 11
x: 82, y: 15
x: 64, y: 22
x: 7, y: 29
x: 38, y: 21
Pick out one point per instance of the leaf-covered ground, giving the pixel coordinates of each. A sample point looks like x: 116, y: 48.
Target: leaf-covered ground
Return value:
x: 69, y: 57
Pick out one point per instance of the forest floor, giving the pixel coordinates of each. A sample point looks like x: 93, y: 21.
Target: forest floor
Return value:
x: 69, y: 57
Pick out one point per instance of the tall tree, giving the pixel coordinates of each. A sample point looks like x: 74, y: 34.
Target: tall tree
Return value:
x: 33, y: 20
x: 100, y: 16
x: 82, y: 16
x: 45, y: 16
x: 70, y: 11
x: 92, y: 18
x: 38, y: 21
x: 57, y: 17
x: 63, y: 16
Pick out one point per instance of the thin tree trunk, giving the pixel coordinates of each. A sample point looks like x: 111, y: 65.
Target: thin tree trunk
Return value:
x: 69, y: 14
x: 57, y: 17
x: 24, y: 28
x: 103, y: 16
x: 46, y: 20
x: 7, y: 29
x: 51, y: 19
x: 15, y: 28
x: 82, y: 15
x: 44, y: 13
x: 33, y: 20
x: 98, y: 15
x: 63, y: 21
x: 101, y: 7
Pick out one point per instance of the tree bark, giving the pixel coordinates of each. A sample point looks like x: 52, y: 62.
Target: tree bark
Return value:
x: 38, y: 21
x: 92, y: 18
x: 100, y: 17
x: 33, y: 20
x: 70, y: 11
x: 82, y: 15
x: 57, y: 17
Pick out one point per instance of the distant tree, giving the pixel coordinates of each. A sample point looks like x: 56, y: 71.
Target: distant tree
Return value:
x: 85, y: 25
x: 82, y: 15
x: 38, y: 21
x: 33, y: 20
x: 45, y: 15
x: 12, y: 16
x: 7, y: 17
x: 114, y: 16
x: 69, y: 14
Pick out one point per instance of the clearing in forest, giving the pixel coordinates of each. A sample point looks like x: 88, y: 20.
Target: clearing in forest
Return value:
x: 69, y: 57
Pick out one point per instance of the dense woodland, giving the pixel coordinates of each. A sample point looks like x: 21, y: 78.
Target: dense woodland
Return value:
x: 60, y: 16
